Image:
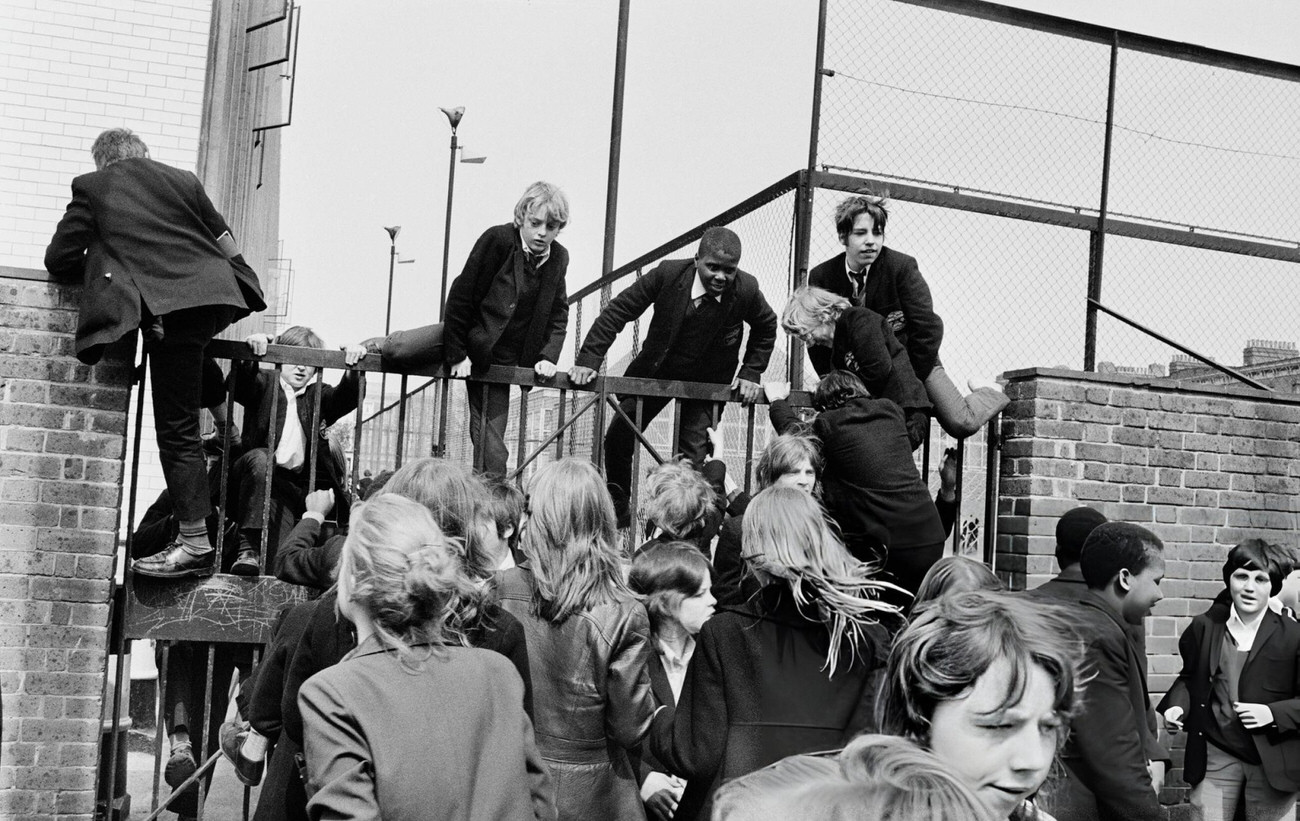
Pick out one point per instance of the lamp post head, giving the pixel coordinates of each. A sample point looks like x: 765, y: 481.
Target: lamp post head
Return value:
x: 454, y: 115
x: 393, y: 231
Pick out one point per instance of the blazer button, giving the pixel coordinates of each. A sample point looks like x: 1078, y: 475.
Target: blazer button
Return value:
x: 108, y: 275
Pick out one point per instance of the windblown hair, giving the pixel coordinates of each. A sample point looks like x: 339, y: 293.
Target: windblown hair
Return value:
x: 299, y: 336
x: 837, y: 389
x: 666, y: 574
x: 786, y: 454
x: 1257, y: 554
x: 850, y: 208
x: 893, y: 779
x: 458, y: 502
x: 677, y: 499
x: 809, y: 308
x: 786, y: 536
x: 546, y: 198
x: 571, y: 541
x: 942, y: 654
x: 954, y: 574
x: 398, y: 567
x: 117, y: 144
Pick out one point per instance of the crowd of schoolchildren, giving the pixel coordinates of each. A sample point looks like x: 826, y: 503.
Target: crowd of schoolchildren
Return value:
x: 478, y: 651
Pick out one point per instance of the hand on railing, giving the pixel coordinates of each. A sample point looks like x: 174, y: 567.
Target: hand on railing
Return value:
x: 717, y: 442
x: 320, y: 501
x: 461, y: 369
x: 776, y: 391
x: 749, y: 391
x: 258, y: 343
x: 579, y: 375
x: 544, y: 369
x: 352, y: 354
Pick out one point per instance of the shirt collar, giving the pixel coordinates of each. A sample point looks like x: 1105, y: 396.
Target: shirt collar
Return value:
x: 538, y: 260
x: 1243, y: 633
x: 698, y: 290
x: 854, y: 275
x: 288, y: 389
x: 673, y: 661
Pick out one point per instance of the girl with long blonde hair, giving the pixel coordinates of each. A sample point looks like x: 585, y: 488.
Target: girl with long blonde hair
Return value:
x: 789, y: 670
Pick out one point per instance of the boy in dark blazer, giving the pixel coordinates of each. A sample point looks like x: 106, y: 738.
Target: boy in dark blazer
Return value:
x: 1238, y: 695
x: 154, y: 253
x: 508, y: 307
x: 699, y: 307
x: 889, y: 282
x: 1109, y: 774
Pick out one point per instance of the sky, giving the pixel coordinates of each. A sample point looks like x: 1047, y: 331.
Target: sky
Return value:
x: 718, y: 101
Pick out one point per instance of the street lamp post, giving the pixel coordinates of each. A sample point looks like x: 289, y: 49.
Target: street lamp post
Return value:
x: 393, y: 231
x: 454, y: 116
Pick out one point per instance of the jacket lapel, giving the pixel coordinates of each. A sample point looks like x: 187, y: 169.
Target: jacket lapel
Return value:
x: 1213, y: 643
x: 1267, y: 627
x: 680, y: 300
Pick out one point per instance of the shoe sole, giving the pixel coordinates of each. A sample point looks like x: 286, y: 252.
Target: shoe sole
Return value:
x: 245, y: 569
x: 195, y: 572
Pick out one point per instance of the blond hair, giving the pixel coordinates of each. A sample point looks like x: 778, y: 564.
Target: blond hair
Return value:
x: 398, y: 567
x: 677, y: 498
x: 570, y: 541
x: 809, y: 308
x: 787, y: 536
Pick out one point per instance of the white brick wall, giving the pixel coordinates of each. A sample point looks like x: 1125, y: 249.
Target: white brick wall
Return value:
x: 68, y: 70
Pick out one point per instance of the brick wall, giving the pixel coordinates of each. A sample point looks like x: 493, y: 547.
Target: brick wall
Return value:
x: 1203, y: 467
x: 62, y: 435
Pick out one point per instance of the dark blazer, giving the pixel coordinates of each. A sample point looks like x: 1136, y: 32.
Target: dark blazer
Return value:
x: 300, y: 560
x: 1106, y: 751
x: 140, y: 233
x: 896, y: 290
x: 756, y: 692
x: 1270, y: 676
x: 864, y: 344
x: 668, y: 289
x: 482, y: 301
x: 255, y: 387
x: 448, y: 739
x: 870, y: 485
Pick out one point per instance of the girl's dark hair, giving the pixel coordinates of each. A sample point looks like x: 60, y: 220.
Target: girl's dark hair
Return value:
x: 836, y: 389
x: 665, y: 574
x: 1256, y: 554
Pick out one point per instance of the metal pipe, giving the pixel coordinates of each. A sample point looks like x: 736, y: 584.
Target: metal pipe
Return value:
x: 1097, y: 250
x: 615, y: 143
x: 446, y: 231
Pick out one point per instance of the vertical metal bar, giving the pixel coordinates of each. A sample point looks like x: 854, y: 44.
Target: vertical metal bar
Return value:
x: 634, y: 492
x: 559, y: 424
x: 521, y: 452
x: 272, y: 443
x: 223, y: 493
x: 1098, y: 245
x: 598, y: 425
x: 446, y: 231
x: 443, y: 394
x: 615, y: 146
x: 480, y: 452
x: 357, y: 431
x: 675, y: 444
x: 161, y: 722
x: 401, y: 424
x: 925, y: 453
x: 207, y: 721
x: 961, y: 468
x: 992, y: 466
x: 313, y: 437
x: 573, y: 409
x: 818, y: 73
x: 749, y: 446
x: 799, y: 274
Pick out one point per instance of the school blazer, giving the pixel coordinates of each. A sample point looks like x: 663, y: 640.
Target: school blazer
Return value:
x: 482, y: 301
x: 1270, y: 676
x: 668, y: 289
x: 896, y: 290
x: 143, y: 234
x: 864, y: 344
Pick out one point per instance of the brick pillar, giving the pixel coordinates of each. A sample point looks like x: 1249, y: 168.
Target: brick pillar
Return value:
x: 62, y: 441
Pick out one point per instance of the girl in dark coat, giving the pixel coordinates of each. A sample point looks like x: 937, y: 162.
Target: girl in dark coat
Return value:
x: 789, y: 671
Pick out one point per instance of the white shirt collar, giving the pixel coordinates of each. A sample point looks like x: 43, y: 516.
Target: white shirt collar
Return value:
x: 540, y: 260
x: 854, y: 275
x: 698, y: 290
x: 1243, y: 633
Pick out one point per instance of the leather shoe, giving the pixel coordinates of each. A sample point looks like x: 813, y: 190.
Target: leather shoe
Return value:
x: 232, y: 735
x: 246, y: 562
x: 180, y: 766
x: 175, y: 562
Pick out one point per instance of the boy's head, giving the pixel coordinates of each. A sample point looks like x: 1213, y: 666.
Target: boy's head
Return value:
x: 1125, y: 563
x: 117, y: 144
x: 837, y: 389
x: 540, y: 215
x: 678, y: 500
x: 1072, y: 530
x: 506, y: 506
x: 860, y: 223
x: 850, y: 208
x: 717, y: 260
x: 300, y: 336
x: 790, y: 460
x: 1252, y: 572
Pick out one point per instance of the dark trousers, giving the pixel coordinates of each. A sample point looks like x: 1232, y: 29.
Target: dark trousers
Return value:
x: 620, y: 440
x: 176, y: 377
x: 490, y: 451
x: 248, y: 494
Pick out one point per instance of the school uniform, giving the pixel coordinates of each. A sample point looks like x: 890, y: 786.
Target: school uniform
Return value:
x: 507, y: 307
x: 864, y: 344
x: 693, y: 337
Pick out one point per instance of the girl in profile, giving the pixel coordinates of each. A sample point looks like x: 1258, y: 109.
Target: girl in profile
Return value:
x: 414, y: 718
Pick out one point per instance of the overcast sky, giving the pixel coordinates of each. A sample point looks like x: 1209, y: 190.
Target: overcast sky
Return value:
x: 718, y: 101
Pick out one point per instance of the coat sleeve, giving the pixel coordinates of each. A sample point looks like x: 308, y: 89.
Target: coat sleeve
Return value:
x: 728, y: 567
x: 294, y: 558
x: 622, y: 309
x: 629, y: 701
x: 1179, y: 695
x: 871, y: 350
x: 690, y: 740
x: 66, y: 254
x: 820, y: 356
x: 762, y: 338
x: 514, y: 646
x: 1286, y: 713
x: 1108, y: 739
x: 783, y: 417
x: 558, y: 326
x: 924, y: 327
x: 342, y: 399
x: 540, y: 788
x: 461, y: 308
x: 340, y: 769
